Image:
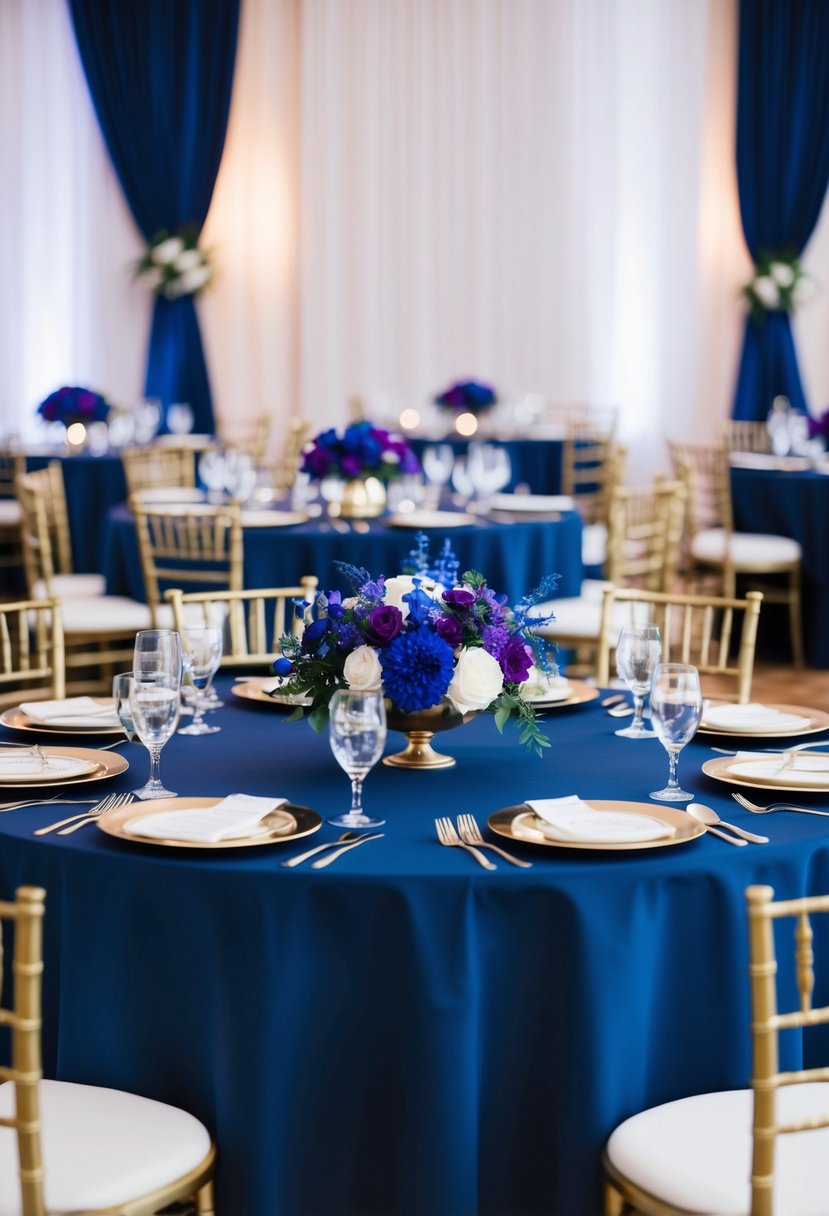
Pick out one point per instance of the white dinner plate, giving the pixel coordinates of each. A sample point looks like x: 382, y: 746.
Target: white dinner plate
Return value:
x: 431, y: 519
x: 530, y: 504
x: 511, y: 821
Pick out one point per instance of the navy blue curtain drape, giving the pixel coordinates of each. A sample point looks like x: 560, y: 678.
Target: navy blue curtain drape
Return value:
x: 782, y: 170
x: 160, y: 73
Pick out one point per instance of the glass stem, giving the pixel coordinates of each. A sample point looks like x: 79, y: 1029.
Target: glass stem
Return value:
x: 673, y: 758
x: 638, y: 708
x: 155, y: 765
x: 199, y: 707
x: 356, y: 796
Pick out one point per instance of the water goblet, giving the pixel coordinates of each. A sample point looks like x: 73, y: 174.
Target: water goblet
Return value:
x: 202, y: 652
x: 154, y: 700
x: 180, y: 418
x: 212, y: 473
x: 357, y: 733
x: 121, y: 689
x: 638, y: 651
x: 676, y: 710
x: 438, y: 461
x: 157, y: 651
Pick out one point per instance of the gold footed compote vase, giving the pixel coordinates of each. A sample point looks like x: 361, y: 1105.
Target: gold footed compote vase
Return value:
x: 420, y: 728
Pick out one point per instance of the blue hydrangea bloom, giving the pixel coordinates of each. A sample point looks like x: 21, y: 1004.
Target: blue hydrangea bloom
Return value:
x: 417, y: 670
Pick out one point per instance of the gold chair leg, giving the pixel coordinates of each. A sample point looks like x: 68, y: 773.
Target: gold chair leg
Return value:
x: 614, y: 1204
x: 204, y: 1200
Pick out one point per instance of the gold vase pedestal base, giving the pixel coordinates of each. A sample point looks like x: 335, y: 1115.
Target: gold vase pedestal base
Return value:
x: 419, y: 753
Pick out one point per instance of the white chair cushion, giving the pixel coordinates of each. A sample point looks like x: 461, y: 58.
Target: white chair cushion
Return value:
x: 580, y: 616
x: 10, y: 513
x: 752, y: 550
x: 695, y: 1154
x: 594, y: 544
x: 106, y: 614
x: 101, y: 1147
x: 72, y: 587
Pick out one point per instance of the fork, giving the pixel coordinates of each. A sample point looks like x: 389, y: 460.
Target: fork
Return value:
x: 448, y: 836
x: 471, y: 834
x: 105, y: 804
x: 775, y: 806
x: 95, y: 812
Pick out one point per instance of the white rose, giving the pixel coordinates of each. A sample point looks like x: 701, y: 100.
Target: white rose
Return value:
x: 192, y: 280
x: 362, y: 669
x: 477, y: 681
x: 152, y: 278
x: 167, y: 251
x: 782, y: 274
x: 804, y: 291
x: 766, y: 291
x: 402, y: 584
x: 188, y: 259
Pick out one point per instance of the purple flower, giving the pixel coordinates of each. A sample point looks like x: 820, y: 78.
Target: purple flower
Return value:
x: 494, y: 640
x: 496, y: 605
x: 450, y: 629
x: 469, y: 395
x: 348, y: 636
x: 459, y: 597
x: 385, y: 622
x: 351, y: 465
x: 516, y: 659
x: 314, y: 633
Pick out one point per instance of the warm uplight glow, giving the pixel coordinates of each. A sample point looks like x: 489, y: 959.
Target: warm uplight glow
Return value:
x: 76, y: 434
x: 409, y: 419
x: 466, y: 424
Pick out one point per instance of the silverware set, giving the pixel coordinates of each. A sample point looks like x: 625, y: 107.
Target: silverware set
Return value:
x: 344, y: 844
x: 64, y: 827
x: 467, y: 835
x: 775, y: 806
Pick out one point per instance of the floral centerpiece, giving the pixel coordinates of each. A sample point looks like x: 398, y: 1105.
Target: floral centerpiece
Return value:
x: 819, y: 427
x: 467, y: 397
x: 72, y: 404
x: 364, y: 457
x: 778, y: 284
x: 427, y: 638
x: 174, y: 265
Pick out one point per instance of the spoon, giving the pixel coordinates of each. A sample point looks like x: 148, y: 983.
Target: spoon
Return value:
x: 705, y: 815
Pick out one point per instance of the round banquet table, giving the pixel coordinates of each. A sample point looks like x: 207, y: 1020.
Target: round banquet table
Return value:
x: 795, y: 504
x: 535, y: 462
x: 513, y: 557
x: 405, y: 1032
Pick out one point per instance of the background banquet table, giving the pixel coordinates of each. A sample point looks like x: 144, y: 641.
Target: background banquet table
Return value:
x: 513, y: 557
x: 795, y: 504
x: 535, y: 462
x: 405, y: 1032
x: 93, y: 485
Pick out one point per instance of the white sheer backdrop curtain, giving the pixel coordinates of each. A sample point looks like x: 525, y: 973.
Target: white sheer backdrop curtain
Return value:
x: 538, y: 192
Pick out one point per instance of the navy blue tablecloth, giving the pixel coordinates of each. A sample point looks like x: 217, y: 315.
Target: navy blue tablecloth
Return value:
x: 794, y: 504
x: 404, y: 1032
x: 535, y: 462
x: 93, y: 485
x: 513, y: 557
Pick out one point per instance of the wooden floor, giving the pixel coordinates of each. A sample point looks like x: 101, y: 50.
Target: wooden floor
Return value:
x: 788, y: 686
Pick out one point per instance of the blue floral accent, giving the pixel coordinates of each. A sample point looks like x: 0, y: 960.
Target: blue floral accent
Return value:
x: 467, y: 396
x: 72, y: 404
x: 417, y: 670
x: 362, y: 450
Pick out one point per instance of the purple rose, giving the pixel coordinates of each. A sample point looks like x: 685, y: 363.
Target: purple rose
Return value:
x: 385, y: 622
x: 516, y: 659
x: 459, y: 597
x: 450, y: 629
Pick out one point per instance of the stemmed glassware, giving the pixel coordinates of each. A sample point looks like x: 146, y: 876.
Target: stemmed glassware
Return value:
x: 121, y: 689
x: 357, y: 732
x: 202, y: 652
x: 638, y: 651
x: 490, y: 468
x: 438, y: 460
x: 154, y: 698
x: 180, y: 418
x: 676, y: 710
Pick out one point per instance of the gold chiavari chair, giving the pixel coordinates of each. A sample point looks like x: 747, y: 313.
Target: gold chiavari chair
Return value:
x: 47, y: 545
x: 297, y: 436
x: 82, y: 1148
x: 197, y: 545
x: 159, y: 466
x: 645, y: 527
x: 698, y: 629
x: 739, y: 1151
x: 31, y: 651
x: 591, y: 465
x: 716, y: 550
x: 253, y: 621
x: 12, y: 466
x: 742, y: 436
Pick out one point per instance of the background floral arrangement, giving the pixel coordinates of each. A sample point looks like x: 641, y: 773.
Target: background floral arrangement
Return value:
x: 73, y: 404
x: 174, y: 266
x: 819, y: 426
x: 779, y: 284
x: 422, y: 637
x: 361, y: 450
x: 467, y: 396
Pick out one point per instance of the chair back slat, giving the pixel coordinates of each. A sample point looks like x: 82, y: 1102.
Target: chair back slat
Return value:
x: 197, y: 545
x: 254, y: 620
x: 158, y: 466
x: 32, y: 653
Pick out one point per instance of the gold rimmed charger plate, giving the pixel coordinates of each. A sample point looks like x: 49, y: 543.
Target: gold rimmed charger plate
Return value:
x: 307, y: 822
x: 107, y: 764
x: 685, y: 827
x: 819, y: 722
x: 18, y: 719
x: 718, y: 769
x: 254, y: 690
x: 580, y: 694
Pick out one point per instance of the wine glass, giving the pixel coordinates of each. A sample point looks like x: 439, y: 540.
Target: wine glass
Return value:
x: 357, y: 732
x: 438, y: 460
x: 154, y: 700
x: 121, y: 688
x: 638, y: 651
x: 676, y: 709
x: 180, y: 418
x: 147, y: 415
x: 490, y: 468
x: 157, y: 651
x: 202, y: 652
x: 212, y: 473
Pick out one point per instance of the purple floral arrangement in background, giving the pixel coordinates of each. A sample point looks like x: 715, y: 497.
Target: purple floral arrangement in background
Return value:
x: 422, y: 637
x: 467, y: 396
x: 72, y: 404
x: 819, y: 426
x: 361, y: 450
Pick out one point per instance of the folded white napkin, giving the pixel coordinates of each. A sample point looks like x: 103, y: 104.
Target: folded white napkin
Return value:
x: 546, y: 688
x: 235, y: 816
x: 530, y: 503
x: 23, y: 764
x: 752, y: 718
x: 792, y: 770
x: 72, y: 711
x: 571, y: 819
